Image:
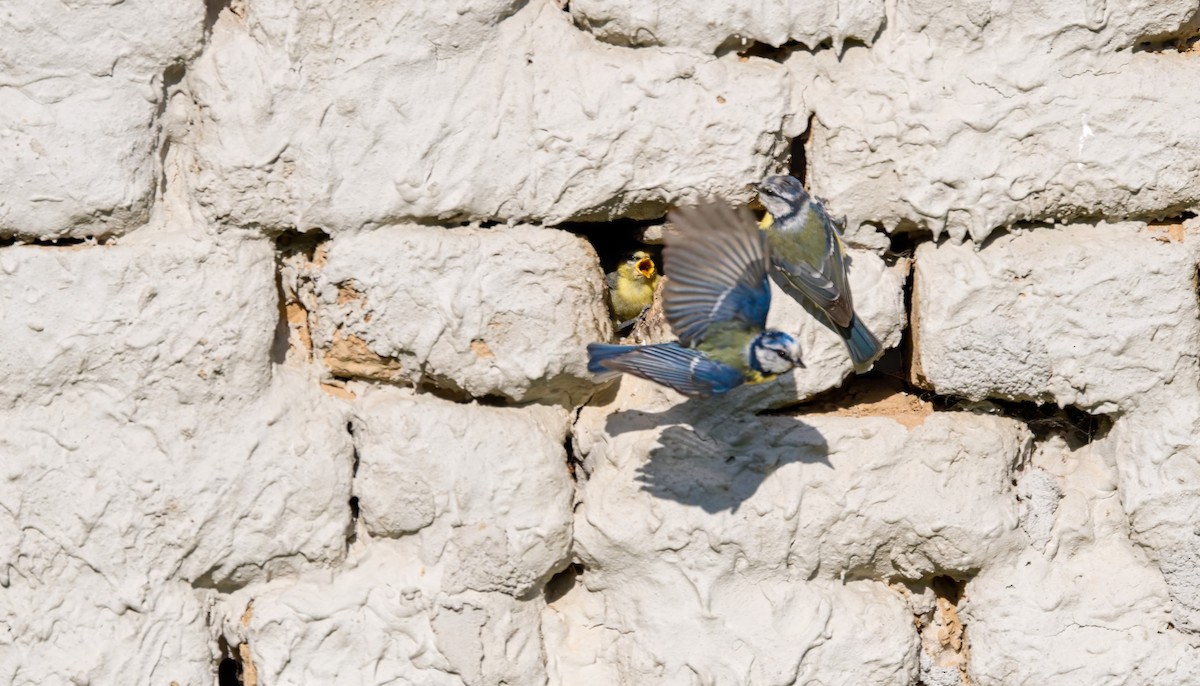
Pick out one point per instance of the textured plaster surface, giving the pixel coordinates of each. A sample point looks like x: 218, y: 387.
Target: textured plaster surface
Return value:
x: 1157, y: 458
x: 1087, y: 586
x: 506, y: 311
x: 792, y: 520
x: 465, y: 513
x: 420, y: 459
x: 172, y: 324
x: 81, y: 88
x: 858, y: 631
x: 148, y: 445
x: 965, y: 118
x: 297, y: 297
x: 1094, y: 316
x: 360, y: 114
x: 383, y: 618
x: 75, y: 627
x: 844, y: 489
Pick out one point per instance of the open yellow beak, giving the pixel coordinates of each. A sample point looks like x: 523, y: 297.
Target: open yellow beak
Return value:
x: 645, y: 267
x: 766, y: 221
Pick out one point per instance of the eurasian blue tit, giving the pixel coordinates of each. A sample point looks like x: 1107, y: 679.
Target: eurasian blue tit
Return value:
x: 631, y: 287
x: 809, y: 259
x: 716, y: 300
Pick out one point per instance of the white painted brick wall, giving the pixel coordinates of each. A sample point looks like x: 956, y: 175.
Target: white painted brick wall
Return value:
x: 293, y: 380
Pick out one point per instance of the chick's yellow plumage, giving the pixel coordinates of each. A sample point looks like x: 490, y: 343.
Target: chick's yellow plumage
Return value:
x: 631, y: 287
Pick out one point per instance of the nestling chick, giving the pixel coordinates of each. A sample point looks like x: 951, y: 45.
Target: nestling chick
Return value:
x: 631, y: 287
x: 809, y: 260
x: 716, y: 302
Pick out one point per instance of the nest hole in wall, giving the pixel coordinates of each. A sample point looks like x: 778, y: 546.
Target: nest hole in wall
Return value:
x: 616, y: 240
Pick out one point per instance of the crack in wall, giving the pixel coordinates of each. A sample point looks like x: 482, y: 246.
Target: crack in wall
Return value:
x: 172, y: 78
x: 886, y: 393
x: 943, y: 655
x: 229, y: 665
x: 754, y: 49
x: 562, y: 583
x: 64, y: 243
x: 235, y: 666
x: 1185, y: 39
x: 1170, y: 229
x: 797, y: 163
x: 298, y: 257
x: 352, y: 527
x: 945, y: 645
x: 212, y: 14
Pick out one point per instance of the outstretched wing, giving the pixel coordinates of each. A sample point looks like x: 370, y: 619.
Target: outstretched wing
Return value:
x: 688, y: 371
x: 717, y: 266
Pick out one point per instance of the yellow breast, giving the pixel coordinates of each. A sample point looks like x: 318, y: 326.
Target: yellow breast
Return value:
x: 631, y: 296
x: 758, y: 377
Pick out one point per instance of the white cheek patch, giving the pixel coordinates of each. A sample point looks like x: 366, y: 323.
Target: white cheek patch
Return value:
x: 770, y: 362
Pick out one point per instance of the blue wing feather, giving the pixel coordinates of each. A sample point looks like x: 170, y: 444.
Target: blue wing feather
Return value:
x: 686, y: 370
x: 718, y: 265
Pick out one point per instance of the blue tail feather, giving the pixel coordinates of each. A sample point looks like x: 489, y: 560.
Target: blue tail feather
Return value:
x: 863, y: 345
x: 686, y: 370
x: 599, y: 352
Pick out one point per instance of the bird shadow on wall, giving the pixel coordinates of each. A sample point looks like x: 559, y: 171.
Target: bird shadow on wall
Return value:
x: 710, y: 458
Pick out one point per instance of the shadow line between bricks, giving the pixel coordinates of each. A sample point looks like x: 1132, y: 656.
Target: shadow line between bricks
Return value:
x: 708, y: 458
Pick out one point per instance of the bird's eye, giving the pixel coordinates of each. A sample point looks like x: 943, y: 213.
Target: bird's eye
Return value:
x: 782, y: 354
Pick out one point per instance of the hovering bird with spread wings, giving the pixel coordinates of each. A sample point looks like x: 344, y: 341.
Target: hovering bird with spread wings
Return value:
x: 810, y: 262
x: 716, y: 300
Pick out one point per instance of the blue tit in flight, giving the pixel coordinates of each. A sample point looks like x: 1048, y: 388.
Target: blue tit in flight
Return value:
x: 631, y: 288
x: 716, y: 300
x: 810, y: 263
